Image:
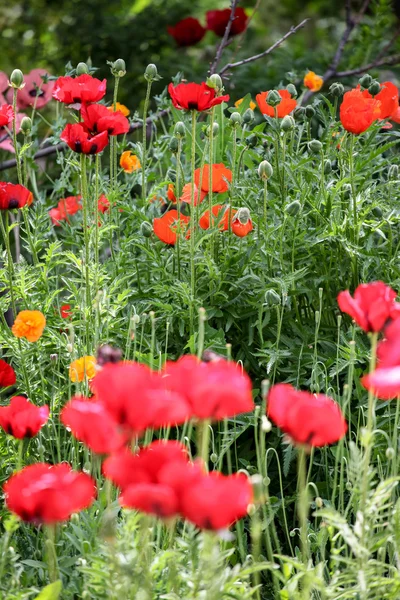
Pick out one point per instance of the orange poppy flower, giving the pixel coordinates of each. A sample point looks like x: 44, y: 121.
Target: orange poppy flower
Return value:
x: 166, y: 227
x: 313, y: 81
x: 252, y: 105
x: 187, y: 194
x: 221, y: 212
x: 389, y: 99
x: 129, y: 162
x: 119, y: 107
x: 396, y: 116
x: 359, y: 110
x: 242, y: 223
x: 171, y: 193
x: 285, y: 107
x: 221, y: 175
x: 29, y: 324
x: 81, y: 368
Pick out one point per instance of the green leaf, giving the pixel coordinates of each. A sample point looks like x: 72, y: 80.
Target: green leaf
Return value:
x: 50, y: 592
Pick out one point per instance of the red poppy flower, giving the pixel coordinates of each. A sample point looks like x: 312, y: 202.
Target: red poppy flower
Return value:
x: 97, y: 118
x: 358, y: 111
x: 6, y: 115
x: 166, y: 227
x: 214, y: 390
x: 171, y: 193
x: 221, y: 177
x: 389, y: 99
x: 194, y: 96
x: 43, y: 493
x: 103, y: 204
x: 242, y: 223
x: 66, y: 206
x: 187, y: 32
x: 23, y: 419
x: 216, y: 501
x: 65, y: 311
x: 388, y: 351
x: 220, y: 213
x: 14, y: 195
x: 137, y: 398
x: 217, y: 20
x: 80, y: 140
x: 35, y: 91
x: 93, y: 425
x: 7, y: 374
x: 373, y: 304
x: 187, y: 194
x: 82, y: 89
x: 313, y: 420
x: 384, y: 382
x: 285, y: 107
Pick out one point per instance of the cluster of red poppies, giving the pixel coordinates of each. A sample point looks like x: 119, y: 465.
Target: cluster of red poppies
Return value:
x: 71, y: 205
x: 91, y: 135
x: 190, y: 31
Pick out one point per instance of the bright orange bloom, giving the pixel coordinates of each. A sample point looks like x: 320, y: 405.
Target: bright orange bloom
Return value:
x: 121, y: 108
x: 285, y: 107
x: 242, y: 223
x: 129, y: 162
x: 187, y: 194
x: 166, y: 227
x: 81, y: 368
x: 221, y: 175
x: 359, y: 110
x: 396, y: 116
x: 29, y: 324
x: 313, y: 81
x: 171, y: 193
x: 222, y: 213
x: 389, y: 99
x: 253, y: 105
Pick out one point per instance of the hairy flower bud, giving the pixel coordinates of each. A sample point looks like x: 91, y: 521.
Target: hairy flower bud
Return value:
x: 299, y: 113
x: 151, y: 73
x: 292, y: 90
x: 310, y: 111
x: 174, y: 145
x: 393, y: 172
x: 248, y: 116
x: 327, y: 167
x: 319, y: 502
x: 215, y: 82
x: 265, y: 170
x: 346, y: 191
x: 17, y: 79
x: 272, y: 298
x: 377, y: 212
x: 215, y: 130
x: 26, y: 125
x: 146, y: 229
x: 82, y: 69
x: 365, y: 81
x: 235, y: 119
x: 179, y: 130
x: 374, y: 88
x: 273, y: 98
x: 287, y: 123
x: 336, y: 89
x: 315, y: 146
x: 390, y: 453
x: 293, y: 208
x: 118, y: 68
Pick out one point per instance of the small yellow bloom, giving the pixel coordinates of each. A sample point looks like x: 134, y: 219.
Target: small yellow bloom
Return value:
x: 84, y: 366
x: 29, y: 324
x: 313, y: 81
x: 121, y: 107
x: 239, y: 102
x: 129, y: 162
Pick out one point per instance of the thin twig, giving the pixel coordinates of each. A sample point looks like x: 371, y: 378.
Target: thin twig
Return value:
x: 224, y: 41
x: 387, y: 60
x: 250, y: 59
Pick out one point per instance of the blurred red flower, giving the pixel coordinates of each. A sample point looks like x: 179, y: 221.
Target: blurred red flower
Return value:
x: 43, y: 493
x: 79, y: 139
x: 359, y: 110
x: 285, y: 107
x: 82, y: 89
x: 103, y: 204
x: 187, y: 32
x: 65, y: 311
x: 389, y: 99
x: 97, y: 118
x: 385, y: 380
x: 309, y: 419
x: 221, y: 177
x: 373, y: 304
x: 6, y: 115
x: 14, y: 195
x: 221, y: 213
x: 217, y: 20
x: 194, y: 96
x: 7, y: 374
x: 35, y: 92
x: 22, y: 419
x: 166, y: 227
x: 66, y: 206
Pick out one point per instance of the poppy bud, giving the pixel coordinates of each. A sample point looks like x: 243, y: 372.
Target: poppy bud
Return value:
x: 292, y: 90
x: 82, y: 69
x: 266, y: 424
x: 390, y: 453
x: 349, y: 486
x: 54, y: 357
x: 108, y: 354
x: 251, y: 141
x: 337, y: 90
x: 287, y: 123
x: 243, y: 215
x: 327, y: 167
x: 319, y: 502
x: 235, y: 119
x: 118, y: 68
x: 179, y: 130
x: 377, y: 212
x: 293, y: 208
x: 265, y: 170
x: 17, y: 79
x: 26, y: 125
x: 346, y: 191
x: 315, y: 146
x: 272, y: 298
x: 248, y: 116
x: 146, y: 229
x: 310, y: 112
x: 174, y: 145
x: 393, y: 172
x: 299, y: 113
x: 374, y: 88
x: 151, y: 73
x: 214, y: 458
x: 215, y: 130
x: 365, y: 81
x: 215, y: 82
x: 273, y: 98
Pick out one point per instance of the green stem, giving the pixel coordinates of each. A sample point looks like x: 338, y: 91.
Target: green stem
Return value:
x: 178, y: 206
x: 193, y: 224
x: 10, y: 270
x: 144, y: 139
x: 85, y: 200
x: 51, y: 554
x: 302, y: 511
x: 200, y: 343
x: 204, y: 441
x: 14, y: 128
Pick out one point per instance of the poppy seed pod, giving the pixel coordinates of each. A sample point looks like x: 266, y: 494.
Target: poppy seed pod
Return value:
x: 336, y: 89
x: 17, y: 79
x: 26, y: 125
x: 82, y: 69
x: 393, y: 172
x: 118, y: 68
x: 365, y: 81
x: 310, y: 112
x: 272, y: 298
x: 374, y: 88
x: 151, y: 73
x: 248, y: 116
x: 292, y: 90
x: 215, y: 82
x: 235, y: 119
x: 174, y: 145
x: 265, y: 170
x: 287, y: 123
x: 179, y: 130
x: 146, y: 229
x: 315, y: 146
x: 273, y: 98
x: 293, y: 208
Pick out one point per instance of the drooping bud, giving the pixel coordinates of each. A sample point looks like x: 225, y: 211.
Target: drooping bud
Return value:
x: 243, y: 215
x: 214, y: 458
x: 327, y: 167
x: 151, y: 73
x: 235, y: 119
x: 287, y: 123
x: 336, y: 89
x: 146, y: 229
x: 180, y: 130
x: 108, y: 354
x: 310, y: 111
x: 118, y: 68
x: 272, y: 298
x: 315, y: 146
x: 265, y: 170
x: 393, y: 172
x: 292, y: 90
x: 365, y: 81
x: 174, y: 145
x: 319, y: 502
x: 26, y: 125
x: 17, y: 79
x: 215, y: 82
x: 374, y: 88
x: 299, y: 113
x: 293, y: 208
x: 273, y: 98
x: 82, y: 69
x: 248, y: 116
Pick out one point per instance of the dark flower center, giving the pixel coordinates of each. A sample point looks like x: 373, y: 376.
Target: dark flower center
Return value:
x: 13, y: 203
x: 193, y: 105
x: 35, y: 92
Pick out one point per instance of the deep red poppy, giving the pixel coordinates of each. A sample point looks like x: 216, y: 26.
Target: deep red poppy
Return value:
x: 7, y: 374
x: 217, y: 20
x: 312, y: 420
x: 137, y: 397
x: 43, y: 493
x: 80, y: 140
x: 103, y: 204
x: 65, y: 311
x: 214, y: 390
x: 35, y: 91
x: 82, y: 89
x: 388, y: 351
x: 6, y: 115
x: 187, y: 32
x: 194, y: 96
x: 285, y: 107
x: 166, y: 227
x: 359, y: 110
x: 150, y: 498
x: 22, y: 419
x: 14, y: 195
x: 389, y: 99
x: 66, y: 206
x: 97, y: 118
x: 373, y: 304
x: 92, y: 424
x: 215, y: 501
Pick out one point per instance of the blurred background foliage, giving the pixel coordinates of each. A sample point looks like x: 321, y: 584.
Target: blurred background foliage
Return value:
x: 49, y: 33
